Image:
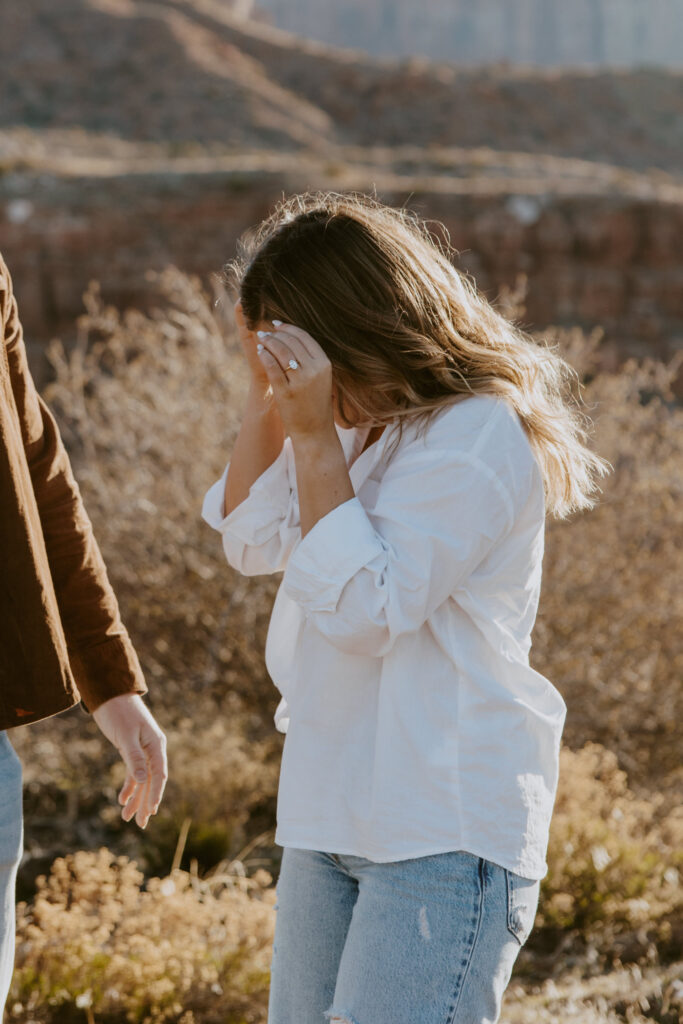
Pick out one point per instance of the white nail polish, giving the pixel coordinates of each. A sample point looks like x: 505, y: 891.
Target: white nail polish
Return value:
x: 276, y: 323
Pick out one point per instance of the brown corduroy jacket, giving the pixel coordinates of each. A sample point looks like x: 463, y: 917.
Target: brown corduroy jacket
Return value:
x: 61, y: 636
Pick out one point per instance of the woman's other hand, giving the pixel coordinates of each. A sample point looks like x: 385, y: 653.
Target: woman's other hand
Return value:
x: 248, y: 341
x: 262, y: 434
x: 300, y: 375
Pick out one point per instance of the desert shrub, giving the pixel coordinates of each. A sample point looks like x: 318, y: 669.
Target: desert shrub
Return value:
x: 96, y: 939
x: 608, y: 631
x: 630, y: 994
x: 614, y: 858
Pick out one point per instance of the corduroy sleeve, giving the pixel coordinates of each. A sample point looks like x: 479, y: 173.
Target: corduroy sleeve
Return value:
x: 102, y: 657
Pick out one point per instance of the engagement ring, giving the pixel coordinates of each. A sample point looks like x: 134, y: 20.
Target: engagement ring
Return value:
x: 293, y: 365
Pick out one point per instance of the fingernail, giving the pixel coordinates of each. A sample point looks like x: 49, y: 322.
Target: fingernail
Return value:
x: 259, y: 348
x: 262, y: 334
x: 276, y: 323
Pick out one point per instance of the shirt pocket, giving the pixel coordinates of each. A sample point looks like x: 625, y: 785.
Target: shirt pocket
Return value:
x: 522, y: 901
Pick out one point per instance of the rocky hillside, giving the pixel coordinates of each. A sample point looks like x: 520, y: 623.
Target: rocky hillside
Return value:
x: 138, y: 133
x: 192, y: 77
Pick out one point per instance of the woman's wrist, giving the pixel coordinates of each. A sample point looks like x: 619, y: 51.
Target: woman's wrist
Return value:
x: 322, y: 475
x: 259, y: 395
x: 262, y: 412
x: 319, y: 444
x: 258, y: 444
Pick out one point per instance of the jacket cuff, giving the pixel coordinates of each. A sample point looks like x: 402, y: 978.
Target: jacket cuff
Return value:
x: 109, y: 669
x: 329, y: 556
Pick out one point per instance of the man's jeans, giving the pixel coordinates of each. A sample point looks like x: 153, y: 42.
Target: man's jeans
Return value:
x: 11, y: 844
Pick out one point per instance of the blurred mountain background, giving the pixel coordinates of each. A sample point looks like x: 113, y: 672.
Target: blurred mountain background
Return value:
x: 134, y: 134
x: 547, y: 33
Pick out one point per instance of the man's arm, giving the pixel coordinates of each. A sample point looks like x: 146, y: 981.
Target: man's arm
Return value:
x: 101, y: 654
x: 102, y: 658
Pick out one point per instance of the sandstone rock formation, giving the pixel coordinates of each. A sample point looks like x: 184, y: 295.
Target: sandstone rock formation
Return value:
x: 549, y: 33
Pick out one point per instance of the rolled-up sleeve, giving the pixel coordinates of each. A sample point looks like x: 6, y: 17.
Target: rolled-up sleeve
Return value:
x: 364, y: 577
x: 260, y: 533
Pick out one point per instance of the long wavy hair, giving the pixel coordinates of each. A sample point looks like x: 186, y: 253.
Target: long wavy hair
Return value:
x: 405, y: 331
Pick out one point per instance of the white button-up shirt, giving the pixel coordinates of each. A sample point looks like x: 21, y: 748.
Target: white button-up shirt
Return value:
x: 399, y: 641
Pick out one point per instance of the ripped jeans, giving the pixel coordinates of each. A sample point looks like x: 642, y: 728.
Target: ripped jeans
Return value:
x: 430, y: 940
x: 11, y: 845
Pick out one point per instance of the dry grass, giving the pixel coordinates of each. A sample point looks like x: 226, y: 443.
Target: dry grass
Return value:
x: 149, y: 406
x: 95, y: 939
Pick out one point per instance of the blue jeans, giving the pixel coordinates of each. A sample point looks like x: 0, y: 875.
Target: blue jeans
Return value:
x: 11, y: 845
x: 430, y: 940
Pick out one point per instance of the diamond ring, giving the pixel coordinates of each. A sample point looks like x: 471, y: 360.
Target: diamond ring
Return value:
x: 293, y: 365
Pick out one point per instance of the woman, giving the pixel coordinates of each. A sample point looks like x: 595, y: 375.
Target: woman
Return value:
x: 401, y: 445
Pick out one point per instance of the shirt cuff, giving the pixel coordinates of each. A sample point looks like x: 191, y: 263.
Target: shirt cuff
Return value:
x: 329, y: 556
x: 281, y: 716
x: 267, y: 503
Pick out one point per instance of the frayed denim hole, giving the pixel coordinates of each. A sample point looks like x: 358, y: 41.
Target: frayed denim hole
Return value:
x: 339, y: 1017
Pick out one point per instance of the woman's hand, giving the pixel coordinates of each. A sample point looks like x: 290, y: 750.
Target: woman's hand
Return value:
x: 300, y: 375
x: 261, y: 435
x: 248, y: 341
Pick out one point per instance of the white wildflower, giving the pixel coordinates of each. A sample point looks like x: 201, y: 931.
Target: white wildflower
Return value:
x: 600, y: 857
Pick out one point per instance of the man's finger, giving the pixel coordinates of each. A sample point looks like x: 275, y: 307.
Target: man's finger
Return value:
x: 127, y: 790
x: 158, y: 778
x: 143, y: 813
x: 131, y: 808
x: 154, y: 745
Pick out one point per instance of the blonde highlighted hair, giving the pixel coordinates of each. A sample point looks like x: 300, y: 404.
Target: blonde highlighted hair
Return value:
x: 405, y: 331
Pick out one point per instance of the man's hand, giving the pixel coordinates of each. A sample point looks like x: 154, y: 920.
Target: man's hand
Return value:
x: 127, y: 723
